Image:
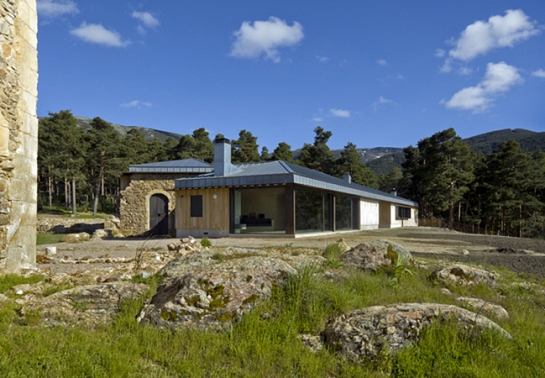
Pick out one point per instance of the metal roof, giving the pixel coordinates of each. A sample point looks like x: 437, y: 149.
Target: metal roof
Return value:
x: 173, y: 166
x: 282, y: 173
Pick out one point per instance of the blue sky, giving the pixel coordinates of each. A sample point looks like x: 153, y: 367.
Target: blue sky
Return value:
x: 375, y: 73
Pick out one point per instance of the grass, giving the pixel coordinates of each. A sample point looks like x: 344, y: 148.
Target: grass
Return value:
x: 49, y: 238
x: 264, y: 342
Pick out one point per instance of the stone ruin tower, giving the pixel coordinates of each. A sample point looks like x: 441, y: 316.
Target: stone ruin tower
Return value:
x: 18, y: 134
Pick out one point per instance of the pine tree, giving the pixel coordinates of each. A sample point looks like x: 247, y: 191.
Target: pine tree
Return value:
x: 283, y: 152
x: 245, y: 148
x: 350, y: 161
x: 318, y: 156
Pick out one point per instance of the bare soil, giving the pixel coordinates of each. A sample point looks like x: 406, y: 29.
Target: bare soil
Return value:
x: 516, y: 254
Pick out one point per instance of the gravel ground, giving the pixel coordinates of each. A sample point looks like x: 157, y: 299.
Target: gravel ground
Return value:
x: 519, y: 255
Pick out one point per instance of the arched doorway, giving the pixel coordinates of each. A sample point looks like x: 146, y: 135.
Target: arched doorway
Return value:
x: 158, y: 214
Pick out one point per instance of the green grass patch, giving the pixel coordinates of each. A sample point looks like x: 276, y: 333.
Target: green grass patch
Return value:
x: 264, y: 342
x: 9, y: 280
x: 48, y: 238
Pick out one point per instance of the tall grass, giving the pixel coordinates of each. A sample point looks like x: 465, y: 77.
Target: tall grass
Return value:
x: 265, y: 341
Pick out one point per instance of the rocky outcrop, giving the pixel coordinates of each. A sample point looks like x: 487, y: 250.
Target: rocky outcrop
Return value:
x: 88, y: 305
x: 371, y: 331
x: 464, y: 275
x: 215, y: 294
x: 485, y: 307
x: 375, y: 255
x: 76, y: 238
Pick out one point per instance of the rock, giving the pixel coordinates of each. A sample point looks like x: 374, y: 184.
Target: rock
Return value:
x: 445, y: 291
x: 463, y: 275
x: 335, y: 249
x: 50, y: 251
x: 314, y: 343
x: 375, y: 255
x: 76, y: 238
x: 489, y: 308
x: 88, y: 305
x: 3, y: 298
x: 186, y: 246
x: 215, y: 294
x: 465, y: 252
x: 365, y: 333
x: 100, y: 234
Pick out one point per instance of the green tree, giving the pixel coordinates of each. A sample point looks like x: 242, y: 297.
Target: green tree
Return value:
x: 318, y: 156
x: 283, y: 152
x: 509, y: 185
x: 389, y: 182
x: 136, y: 147
x: 61, y: 153
x: 245, y: 148
x: 196, y: 146
x: 440, y: 170
x: 265, y: 155
x: 350, y: 161
x: 106, y: 157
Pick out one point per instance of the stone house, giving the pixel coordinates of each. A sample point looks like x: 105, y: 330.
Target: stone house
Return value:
x: 147, y: 195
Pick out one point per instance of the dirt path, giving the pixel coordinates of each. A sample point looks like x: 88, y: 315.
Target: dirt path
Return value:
x: 519, y: 255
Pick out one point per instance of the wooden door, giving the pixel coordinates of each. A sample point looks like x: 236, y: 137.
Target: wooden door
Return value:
x: 158, y: 214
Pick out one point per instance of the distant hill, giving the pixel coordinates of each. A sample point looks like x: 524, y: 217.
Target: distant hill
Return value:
x: 149, y: 134
x: 485, y: 143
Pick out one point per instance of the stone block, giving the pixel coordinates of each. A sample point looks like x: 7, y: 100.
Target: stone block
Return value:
x: 4, y: 138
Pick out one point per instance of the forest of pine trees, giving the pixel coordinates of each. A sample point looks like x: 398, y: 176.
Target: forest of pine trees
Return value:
x: 502, y: 192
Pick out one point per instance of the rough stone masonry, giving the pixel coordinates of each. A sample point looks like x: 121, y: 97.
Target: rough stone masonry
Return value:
x: 18, y: 133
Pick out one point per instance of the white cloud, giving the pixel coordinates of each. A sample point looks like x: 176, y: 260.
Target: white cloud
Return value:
x: 539, y: 73
x: 322, y: 59
x: 499, y: 78
x: 146, y: 18
x: 340, y: 113
x: 381, y: 101
x: 382, y: 62
x: 499, y: 31
x: 136, y: 104
x: 96, y: 33
x: 265, y: 37
x: 440, y: 53
x: 317, y: 119
x: 52, y: 8
x: 465, y: 71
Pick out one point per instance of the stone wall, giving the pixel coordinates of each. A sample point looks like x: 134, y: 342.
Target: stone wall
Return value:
x: 68, y: 225
x: 134, y: 203
x: 18, y: 133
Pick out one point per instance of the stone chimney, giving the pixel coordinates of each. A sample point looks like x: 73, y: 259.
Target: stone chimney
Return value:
x: 347, y: 177
x: 393, y: 192
x: 222, y: 158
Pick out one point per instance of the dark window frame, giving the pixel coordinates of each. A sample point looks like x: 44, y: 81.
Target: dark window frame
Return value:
x: 196, y: 206
x: 403, y: 212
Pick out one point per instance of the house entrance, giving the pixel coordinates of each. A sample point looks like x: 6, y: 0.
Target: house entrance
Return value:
x: 158, y: 214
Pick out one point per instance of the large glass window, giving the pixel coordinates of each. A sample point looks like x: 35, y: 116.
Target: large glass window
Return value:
x: 312, y: 211
x: 343, y: 212
x: 258, y: 211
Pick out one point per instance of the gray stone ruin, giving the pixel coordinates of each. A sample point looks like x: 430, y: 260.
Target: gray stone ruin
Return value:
x: 18, y: 134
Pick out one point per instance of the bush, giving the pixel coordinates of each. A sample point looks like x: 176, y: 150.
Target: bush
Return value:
x: 205, y: 242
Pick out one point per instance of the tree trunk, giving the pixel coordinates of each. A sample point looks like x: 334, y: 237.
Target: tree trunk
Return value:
x: 74, y: 209
x: 50, y: 189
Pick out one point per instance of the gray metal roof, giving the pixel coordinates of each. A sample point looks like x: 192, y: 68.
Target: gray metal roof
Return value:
x: 281, y: 173
x: 173, y: 166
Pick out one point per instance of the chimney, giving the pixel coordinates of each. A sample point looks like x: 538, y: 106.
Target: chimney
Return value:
x: 222, y: 158
x: 393, y: 192
x: 347, y: 177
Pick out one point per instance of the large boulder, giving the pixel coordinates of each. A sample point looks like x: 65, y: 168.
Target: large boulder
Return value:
x: 368, y: 332
x: 375, y: 255
x: 213, y: 295
x: 463, y: 275
x: 88, y: 305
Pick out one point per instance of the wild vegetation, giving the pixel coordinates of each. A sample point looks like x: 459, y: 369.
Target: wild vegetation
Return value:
x: 266, y: 342
x: 502, y: 192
